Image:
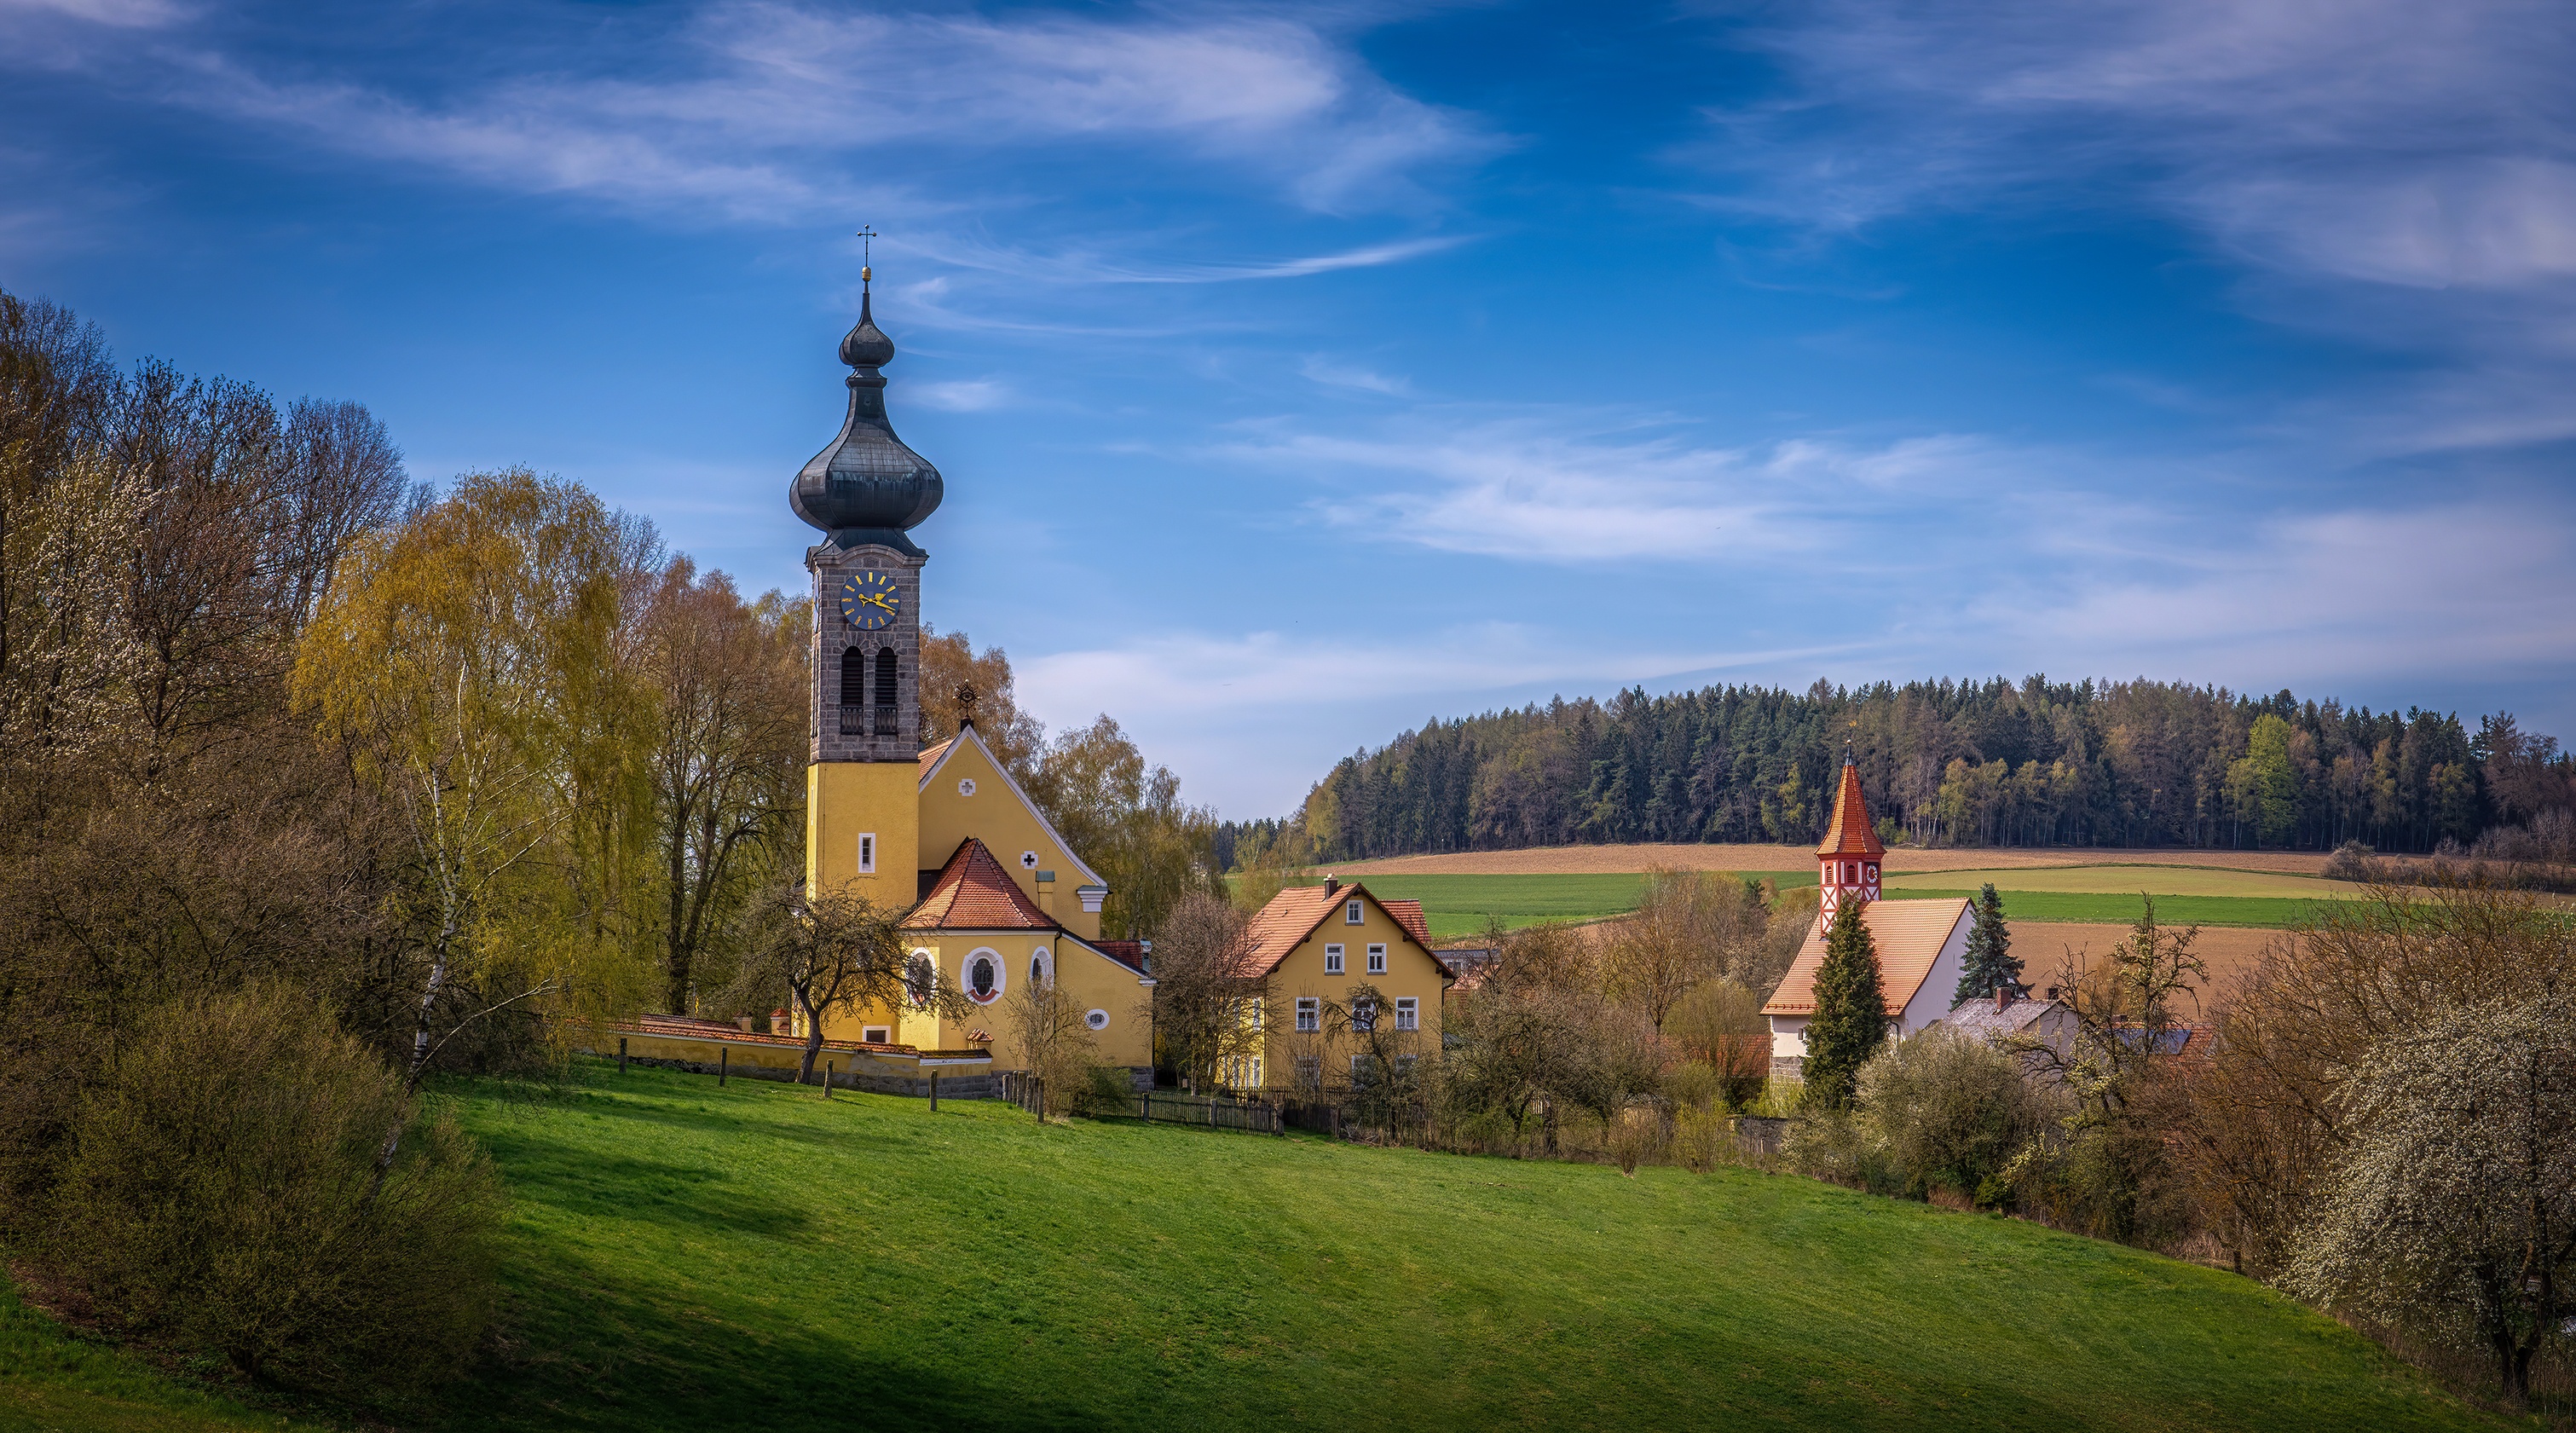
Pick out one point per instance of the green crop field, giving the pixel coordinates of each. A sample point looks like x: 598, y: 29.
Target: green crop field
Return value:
x: 2128, y: 880
x: 1456, y: 906
x: 1459, y: 906
x: 2086, y: 907
x: 684, y: 1257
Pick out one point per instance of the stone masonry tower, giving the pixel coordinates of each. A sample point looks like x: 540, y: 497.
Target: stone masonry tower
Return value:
x: 1847, y: 859
x: 865, y: 491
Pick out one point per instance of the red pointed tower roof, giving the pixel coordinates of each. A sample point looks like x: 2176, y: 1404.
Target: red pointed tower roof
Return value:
x: 1851, y: 833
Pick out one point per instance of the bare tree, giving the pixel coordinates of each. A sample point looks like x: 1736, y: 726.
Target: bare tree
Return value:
x: 829, y: 953
x: 1204, y: 975
x: 2452, y: 1212
x: 1052, y: 1035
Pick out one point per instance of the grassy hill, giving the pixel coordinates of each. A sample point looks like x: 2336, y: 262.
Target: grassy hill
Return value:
x: 685, y: 1257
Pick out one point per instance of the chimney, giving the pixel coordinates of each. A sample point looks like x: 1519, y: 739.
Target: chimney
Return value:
x: 1332, y: 885
x: 2052, y: 992
x: 2003, y: 997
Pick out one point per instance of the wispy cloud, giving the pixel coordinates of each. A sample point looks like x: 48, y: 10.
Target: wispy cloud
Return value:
x: 780, y: 112
x: 1325, y: 371
x: 967, y: 395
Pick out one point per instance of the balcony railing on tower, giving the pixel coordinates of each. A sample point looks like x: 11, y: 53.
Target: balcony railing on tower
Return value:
x: 854, y: 719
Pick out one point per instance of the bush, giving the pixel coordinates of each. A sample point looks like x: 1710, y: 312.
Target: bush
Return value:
x: 2352, y: 861
x: 1703, y: 1139
x: 1693, y: 1085
x: 1833, y: 1145
x: 1107, y: 1091
x: 219, y: 1195
x: 1720, y: 1024
x: 1947, y: 1110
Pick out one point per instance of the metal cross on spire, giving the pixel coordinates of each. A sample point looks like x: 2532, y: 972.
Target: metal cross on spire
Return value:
x: 867, y: 243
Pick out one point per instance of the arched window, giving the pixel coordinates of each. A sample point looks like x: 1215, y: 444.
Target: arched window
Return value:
x: 854, y: 689
x: 885, y: 691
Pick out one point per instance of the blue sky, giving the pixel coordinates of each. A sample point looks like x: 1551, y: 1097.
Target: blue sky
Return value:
x: 1300, y: 373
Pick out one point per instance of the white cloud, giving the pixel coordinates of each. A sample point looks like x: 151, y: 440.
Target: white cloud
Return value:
x: 1343, y: 375
x: 771, y: 112
x: 977, y: 395
x: 1571, y: 491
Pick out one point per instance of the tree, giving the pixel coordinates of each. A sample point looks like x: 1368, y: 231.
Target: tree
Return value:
x: 1947, y: 1110
x: 2104, y: 1165
x: 1850, y: 1022
x: 471, y: 661
x: 1721, y: 1025
x: 1689, y: 926
x: 1052, y: 1034
x: 1990, y: 963
x: 1204, y: 974
x: 1129, y: 823
x: 728, y: 759
x: 948, y: 661
x: 828, y: 953
x: 2452, y: 1213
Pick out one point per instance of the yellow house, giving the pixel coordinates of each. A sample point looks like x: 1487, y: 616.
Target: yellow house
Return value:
x: 1323, y: 952
x: 994, y: 895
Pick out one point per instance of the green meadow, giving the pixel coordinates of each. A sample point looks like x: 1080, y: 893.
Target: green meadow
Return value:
x: 1459, y: 906
x: 685, y: 1257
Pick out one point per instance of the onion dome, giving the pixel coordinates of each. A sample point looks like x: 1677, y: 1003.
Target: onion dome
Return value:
x: 867, y: 487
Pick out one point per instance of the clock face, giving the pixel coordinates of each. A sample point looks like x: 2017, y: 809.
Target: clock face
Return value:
x: 870, y: 600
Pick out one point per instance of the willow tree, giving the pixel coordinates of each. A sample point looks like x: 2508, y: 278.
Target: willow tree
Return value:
x: 473, y: 661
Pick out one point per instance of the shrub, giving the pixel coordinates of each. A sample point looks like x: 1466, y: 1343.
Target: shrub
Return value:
x: 1634, y: 1136
x: 1107, y: 1091
x: 1720, y: 1024
x: 1947, y: 1110
x: 1703, y: 1139
x: 2352, y: 861
x: 1833, y: 1145
x: 1692, y: 1085
x: 220, y: 1194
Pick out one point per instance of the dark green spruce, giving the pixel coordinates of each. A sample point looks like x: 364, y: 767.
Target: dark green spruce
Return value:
x: 1851, y: 1012
x: 1990, y: 960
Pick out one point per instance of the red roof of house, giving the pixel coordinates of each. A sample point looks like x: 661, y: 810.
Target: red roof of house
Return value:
x: 1909, y: 936
x: 1850, y: 834
x: 1292, y: 915
x: 974, y: 892
x: 1129, y: 953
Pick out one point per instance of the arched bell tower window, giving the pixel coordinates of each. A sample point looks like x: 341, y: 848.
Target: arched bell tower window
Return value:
x: 885, y: 691
x: 854, y: 690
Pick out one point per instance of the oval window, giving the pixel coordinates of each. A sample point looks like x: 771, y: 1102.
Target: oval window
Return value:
x: 983, y: 977
x: 1097, y: 1019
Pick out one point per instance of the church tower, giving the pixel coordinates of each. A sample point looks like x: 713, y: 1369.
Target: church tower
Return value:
x: 1847, y: 859
x: 865, y: 491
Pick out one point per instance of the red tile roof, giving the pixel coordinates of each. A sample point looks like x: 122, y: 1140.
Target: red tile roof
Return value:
x: 930, y: 757
x: 1129, y: 953
x: 974, y: 892
x: 1909, y: 936
x: 1850, y: 834
x: 1292, y: 915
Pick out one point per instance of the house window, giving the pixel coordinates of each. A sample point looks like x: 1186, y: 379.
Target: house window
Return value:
x: 1310, y: 1013
x: 1360, y: 1066
x: 867, y: 853
x: 1252, y: 1014
x: 1363, y: 1017
x: 1408, y: 1012
x: 1332, y: 960
x: 876, y: 1035
x: 1351, y: 914
x: 1310, y: 1071
x: 1377, y: 960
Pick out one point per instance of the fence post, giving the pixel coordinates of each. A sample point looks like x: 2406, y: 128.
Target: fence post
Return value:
x: 827, y: 1079
x: 621, y: 1054
x: 724, y: 1064
x: 934, y: 1092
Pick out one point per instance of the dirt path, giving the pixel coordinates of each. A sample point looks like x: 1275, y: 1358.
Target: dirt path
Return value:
x: 1592, y: 860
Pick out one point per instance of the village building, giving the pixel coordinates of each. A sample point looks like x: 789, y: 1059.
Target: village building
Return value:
x: 1324, y: 951
x: 1922, y: 944
x: 995, y: 895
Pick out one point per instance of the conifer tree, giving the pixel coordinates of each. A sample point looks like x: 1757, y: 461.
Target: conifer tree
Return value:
x: 1851, y: 1011
x: 1990, y: 961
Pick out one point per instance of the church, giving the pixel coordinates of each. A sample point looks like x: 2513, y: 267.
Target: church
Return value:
x: 1922, y: 944
x: 995, y: 895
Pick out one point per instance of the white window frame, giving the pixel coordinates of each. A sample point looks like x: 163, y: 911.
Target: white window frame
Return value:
x: 1310, y: 1013
x: 1332, y: 960
x: 1408, y: 1012
x: 876, y: 1034
x: 1354, y: 913
x: 867, y: 853
x: 1377, y: 960
x: 1363, y: 1018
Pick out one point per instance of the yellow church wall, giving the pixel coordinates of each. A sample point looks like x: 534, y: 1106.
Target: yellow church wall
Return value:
x: 1094, y: 980
x: 1411, y: 972
x: 846, y: 799
x: 1009, y: 827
